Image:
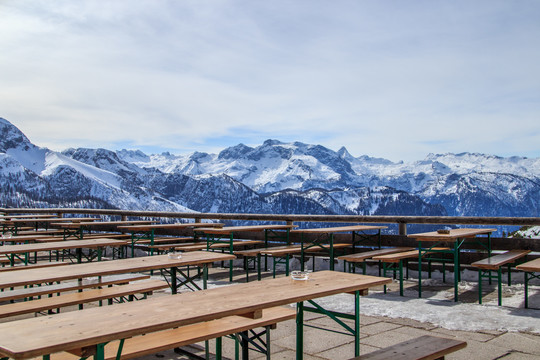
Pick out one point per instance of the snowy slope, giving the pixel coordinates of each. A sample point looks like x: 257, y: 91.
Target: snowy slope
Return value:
x: 274, y: 177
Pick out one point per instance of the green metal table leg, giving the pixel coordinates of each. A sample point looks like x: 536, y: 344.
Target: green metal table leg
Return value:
x: 480, y: 286
x: 419, y: 269
x: 526, y: 289
x: 205, y: 276
x: 299, y: 331
x: 456, y: 270
x: 218, y: 348
x: 357, y: 323
x: 231, y: 251
x: 100, y: 352
x: 174, y: 284
x: 258, y: 259
x: 400, y: 277
x: 499, y: 279
x: 332, y: 251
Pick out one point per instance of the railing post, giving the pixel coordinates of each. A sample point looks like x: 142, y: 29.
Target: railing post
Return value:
x: 403, y: 228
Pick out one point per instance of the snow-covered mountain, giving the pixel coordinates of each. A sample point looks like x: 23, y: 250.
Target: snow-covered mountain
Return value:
x: 274, y: 177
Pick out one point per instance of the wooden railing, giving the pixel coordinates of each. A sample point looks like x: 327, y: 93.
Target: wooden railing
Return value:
x: 399, y: 239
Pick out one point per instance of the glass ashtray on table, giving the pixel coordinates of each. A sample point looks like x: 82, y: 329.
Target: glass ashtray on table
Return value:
x: 299, y: 275
x: 174, y: 255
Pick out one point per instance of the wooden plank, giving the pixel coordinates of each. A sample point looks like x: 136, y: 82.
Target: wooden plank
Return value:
x: 61, y: 245
x: 405, y: 255
x: 168, y: 339
x: 143, y: 228
x: 339, y: 229
x: 496, y: 261
x: 22, y: 293
x: 64, y: 300
x: 28, y: 338
x: 120, y: 266
x: 246, y: 228
x: 426, y: 347
x: 530, y: 266
x: 282, y: 250
x: 452, y: 236
x: 34, y: 266
x: 218, y: 245
x: 159, y: 240
x: 360, y: 257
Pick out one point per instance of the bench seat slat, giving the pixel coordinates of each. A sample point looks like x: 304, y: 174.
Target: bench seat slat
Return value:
x: 80, y: 298
x: 423, y: 348
x: 362, y: 256
x: 218, y: 245
x: 186, y: 335
x: 70, y: 286
x: 396, y: 257
x: 34, y: 266
x: 496, y: 261
x: 159, y: 240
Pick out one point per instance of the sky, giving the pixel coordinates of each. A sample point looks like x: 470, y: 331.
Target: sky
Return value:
x: 391, y: 79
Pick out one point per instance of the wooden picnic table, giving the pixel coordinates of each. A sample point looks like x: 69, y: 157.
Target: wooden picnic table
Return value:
x: 77, y: 229
x: 457, y: 238
x: 325, y: 239
x: 121, y: 266
x: 531, y: 270
x: 15, y: 224
x: 14, y: 251
x: 24, y: 238
x: 90, y: 329
x: 216, y: 235
x: 147, y: 231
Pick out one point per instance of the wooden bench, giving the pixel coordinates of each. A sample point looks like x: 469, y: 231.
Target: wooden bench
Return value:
x: 91, y: 236
x: 218, y: 245
x: 278, y: 251
x: 164, y: 240
x: 530, y: 269
x: 79, y: 298
x: 390, y: 261
x: 29, y: 292
x: 495, y: 263
x: 162, y: 243
x: 426, y: 347
x: 4, y: 260
x: 33, y: 266
x: 366, y: 255
x: 155, y: 342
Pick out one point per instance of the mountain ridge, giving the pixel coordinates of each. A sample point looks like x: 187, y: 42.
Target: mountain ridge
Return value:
x: 274, y: 177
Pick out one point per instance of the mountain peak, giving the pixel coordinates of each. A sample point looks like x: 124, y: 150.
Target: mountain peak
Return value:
x: 12, y: 138
x: 234, y: 152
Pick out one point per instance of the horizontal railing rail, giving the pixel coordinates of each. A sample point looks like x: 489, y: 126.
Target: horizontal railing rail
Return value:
x: 381, y: 219
x: 400, y: 239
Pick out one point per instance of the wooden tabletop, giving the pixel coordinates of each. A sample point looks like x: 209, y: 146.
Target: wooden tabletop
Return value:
x: 452, y: 236
x: 60, y: 245
x: 339, y: 229
x: 530, y: 266
x: 98, y: 223
x: 121, y: 266
x: 38, y: 336
x: 233, y: 229
x: 23, y: 238
x: 166, y: 226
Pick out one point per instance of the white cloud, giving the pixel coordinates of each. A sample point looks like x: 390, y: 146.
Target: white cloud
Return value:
x: 388, y: 79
